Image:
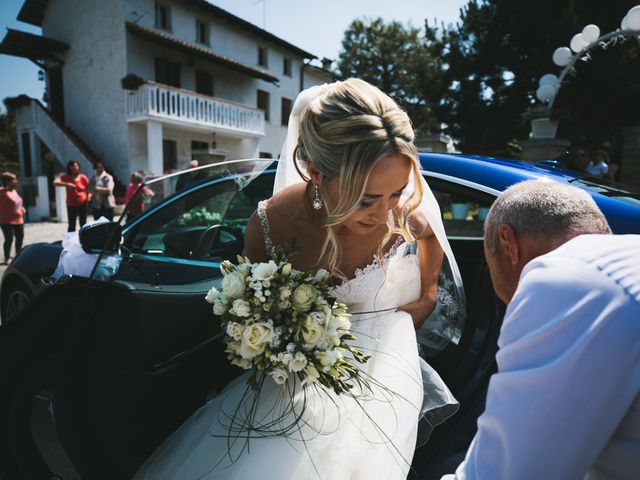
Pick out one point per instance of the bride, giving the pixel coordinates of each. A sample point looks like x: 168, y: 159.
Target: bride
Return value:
x: 349, y: 198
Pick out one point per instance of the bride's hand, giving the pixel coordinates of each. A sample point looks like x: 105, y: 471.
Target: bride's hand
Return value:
x: 421, y: 309
x: 418, y: 224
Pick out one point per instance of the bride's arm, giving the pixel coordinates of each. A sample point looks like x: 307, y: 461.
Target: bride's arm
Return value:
x: 430, y: 254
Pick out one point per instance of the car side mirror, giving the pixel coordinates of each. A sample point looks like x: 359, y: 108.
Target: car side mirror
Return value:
x: 100, y: 237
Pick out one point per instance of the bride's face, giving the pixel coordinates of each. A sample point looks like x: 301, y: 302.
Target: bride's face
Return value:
x: 389, y: 177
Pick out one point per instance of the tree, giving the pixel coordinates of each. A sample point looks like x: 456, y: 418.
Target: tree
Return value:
x: 398, y: 60
x: 498, y: 51
x: 8, y: 140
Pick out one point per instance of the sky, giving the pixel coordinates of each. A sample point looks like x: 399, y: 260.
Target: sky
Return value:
x: 313, y: 25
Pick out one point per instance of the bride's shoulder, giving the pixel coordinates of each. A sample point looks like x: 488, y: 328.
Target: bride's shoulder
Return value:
x: 271, y: 223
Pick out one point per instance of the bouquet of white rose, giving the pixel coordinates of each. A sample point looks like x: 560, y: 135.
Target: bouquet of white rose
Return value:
x: 282, y: 322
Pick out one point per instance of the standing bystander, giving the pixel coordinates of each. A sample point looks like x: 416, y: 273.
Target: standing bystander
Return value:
x: 101, y: 188
x: 11, y: 214
x: 76, y: 184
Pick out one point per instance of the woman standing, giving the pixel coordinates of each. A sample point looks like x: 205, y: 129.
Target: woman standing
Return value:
x: 11, y: 213
x: 76, y: 184
x: 102, y: 199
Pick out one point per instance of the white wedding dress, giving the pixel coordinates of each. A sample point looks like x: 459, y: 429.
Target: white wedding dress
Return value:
x: 371, y: 436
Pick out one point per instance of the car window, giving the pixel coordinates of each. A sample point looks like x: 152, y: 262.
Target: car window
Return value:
x: 463, y: 208
x: 204, y: 224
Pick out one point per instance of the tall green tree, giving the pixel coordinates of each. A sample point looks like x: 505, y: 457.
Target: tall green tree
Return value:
x: 500, y: 48
x: 8, y: 140
x: 398, y: 60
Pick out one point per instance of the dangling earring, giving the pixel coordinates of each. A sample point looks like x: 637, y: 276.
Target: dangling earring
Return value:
x: 317, y: 203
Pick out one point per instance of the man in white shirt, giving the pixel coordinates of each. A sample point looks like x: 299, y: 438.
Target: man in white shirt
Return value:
x: 565, y: 403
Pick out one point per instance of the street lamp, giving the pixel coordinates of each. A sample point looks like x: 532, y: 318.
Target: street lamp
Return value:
x: 579, y: 47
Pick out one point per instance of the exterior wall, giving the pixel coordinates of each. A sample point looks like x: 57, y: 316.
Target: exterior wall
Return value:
x: 102, y: 52
x: 226, y: 40
x: 93, y: 98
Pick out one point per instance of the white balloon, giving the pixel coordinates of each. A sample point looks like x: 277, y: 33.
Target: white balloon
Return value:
x: 562, y: 56
x: 578, y: 43
x: 545, y: 92
x: 549, y: 79
x: 623, y: 24
x: 591, y: 33
x: 633, y: 18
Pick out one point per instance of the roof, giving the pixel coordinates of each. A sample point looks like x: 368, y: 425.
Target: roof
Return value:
x: 198, y: 51
x: 28, y: 45
x: 32, y: 12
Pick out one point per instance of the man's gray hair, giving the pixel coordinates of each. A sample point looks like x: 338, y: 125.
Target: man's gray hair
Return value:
x: 543, y: 209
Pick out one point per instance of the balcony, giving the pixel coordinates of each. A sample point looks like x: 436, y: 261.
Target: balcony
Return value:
x: 153, y: 101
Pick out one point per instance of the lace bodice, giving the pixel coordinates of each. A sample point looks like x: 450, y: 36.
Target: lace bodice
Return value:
x: 390, y: 280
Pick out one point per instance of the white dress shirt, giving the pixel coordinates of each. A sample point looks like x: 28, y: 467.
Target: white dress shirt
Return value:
x: 565, y: 402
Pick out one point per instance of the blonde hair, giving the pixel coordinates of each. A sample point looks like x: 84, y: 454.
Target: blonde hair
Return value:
x: 343, y: 132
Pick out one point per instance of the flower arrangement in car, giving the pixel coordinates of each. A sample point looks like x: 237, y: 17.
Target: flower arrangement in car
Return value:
x: 285, y: 323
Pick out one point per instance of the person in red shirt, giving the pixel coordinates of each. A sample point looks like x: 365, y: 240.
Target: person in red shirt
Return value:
x: 11, y: 214
x: 76, y: 184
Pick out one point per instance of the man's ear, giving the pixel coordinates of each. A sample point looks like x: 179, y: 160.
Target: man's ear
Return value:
x: 508, y: 243
x: 314, y: 174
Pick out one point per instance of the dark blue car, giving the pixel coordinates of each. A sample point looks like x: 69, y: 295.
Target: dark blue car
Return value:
x: 129, y: 355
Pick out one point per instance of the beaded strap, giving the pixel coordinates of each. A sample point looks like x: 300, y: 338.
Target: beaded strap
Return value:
x: 262, y: 215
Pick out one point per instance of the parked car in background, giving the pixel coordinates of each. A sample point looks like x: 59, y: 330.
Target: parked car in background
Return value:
x: 131, y: 356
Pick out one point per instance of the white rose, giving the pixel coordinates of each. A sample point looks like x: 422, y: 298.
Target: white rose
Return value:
x: 279, y: 375
x: 255, y: 338
x: 218, y: 307
x: 240, y: 308
x: 212, y: 295
x: 303, y: 297
x: 312, y: 334
x: 233, y: 285
x: 286, y: 269
x: 298, y: 362
x: 264, y: 271
x: 234, y: 330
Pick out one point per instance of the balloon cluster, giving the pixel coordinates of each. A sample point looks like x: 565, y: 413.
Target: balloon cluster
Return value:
x: 562, y: 57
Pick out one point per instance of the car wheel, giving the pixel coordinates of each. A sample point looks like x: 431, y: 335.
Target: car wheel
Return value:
x: 17, y: 298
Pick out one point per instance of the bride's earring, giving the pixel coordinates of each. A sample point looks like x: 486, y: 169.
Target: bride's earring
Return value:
x: 317, y: 203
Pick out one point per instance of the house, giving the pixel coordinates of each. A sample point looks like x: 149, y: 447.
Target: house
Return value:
x: 152, y: 84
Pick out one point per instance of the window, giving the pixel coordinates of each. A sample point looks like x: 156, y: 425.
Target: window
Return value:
x: 286, y: 67
x: 286, y: 111
x: 182, y: 229
x: 464, y: 209
x: 263, y: 59
x: 163, y: 16
x: 167, y: 72
x: 263, y: 103
x: 204, y: 83
x: 202, y: 32
x: 197, y: 145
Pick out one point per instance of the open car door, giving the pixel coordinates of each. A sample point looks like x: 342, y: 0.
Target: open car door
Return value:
x: 123, y: 357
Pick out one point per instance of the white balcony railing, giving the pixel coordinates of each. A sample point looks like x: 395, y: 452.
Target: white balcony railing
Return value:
x: 153, y: 100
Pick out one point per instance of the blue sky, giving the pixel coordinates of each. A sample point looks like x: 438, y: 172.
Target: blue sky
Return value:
x: 315, y: 26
